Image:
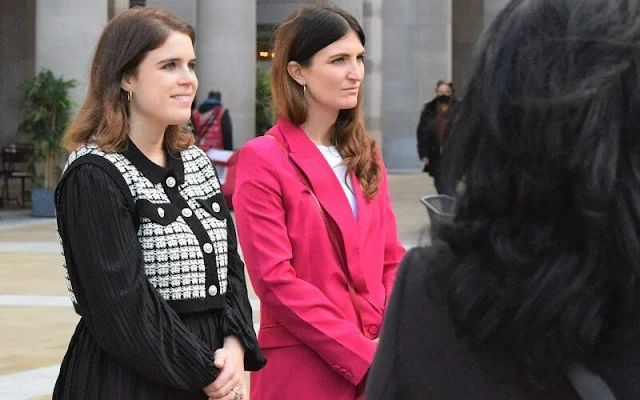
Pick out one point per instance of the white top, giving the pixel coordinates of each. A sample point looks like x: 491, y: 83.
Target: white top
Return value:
x: 333, y: 157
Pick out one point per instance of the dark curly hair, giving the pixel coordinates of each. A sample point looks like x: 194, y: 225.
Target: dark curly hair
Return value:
x: 545, y: 152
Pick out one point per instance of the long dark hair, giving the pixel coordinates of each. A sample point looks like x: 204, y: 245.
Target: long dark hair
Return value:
x: 305, y: 32
x: 125, y: 41
x: 545, y: 151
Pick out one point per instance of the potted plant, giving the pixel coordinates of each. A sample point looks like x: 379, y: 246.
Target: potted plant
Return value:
x: 264, y: 111
x: 46, y: 114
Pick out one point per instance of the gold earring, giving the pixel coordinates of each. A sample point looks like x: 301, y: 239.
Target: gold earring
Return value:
x: 304, y: 90
x: 129, y: 96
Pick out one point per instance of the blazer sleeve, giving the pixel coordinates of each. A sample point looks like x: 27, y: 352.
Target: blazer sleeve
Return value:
x: 123, y: 312
x: 238, y: 313
x: 393, y: 248
x: 297, y: 305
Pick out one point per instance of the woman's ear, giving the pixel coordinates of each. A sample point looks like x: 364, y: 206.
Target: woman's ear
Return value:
x: 295, y: 71
x: 126, y: 82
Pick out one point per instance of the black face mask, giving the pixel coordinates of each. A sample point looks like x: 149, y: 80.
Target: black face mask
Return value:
x: 443, y: 99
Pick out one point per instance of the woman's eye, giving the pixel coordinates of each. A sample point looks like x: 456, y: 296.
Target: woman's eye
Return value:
x: 338, y: 60
x: 192, y: 66
x: 361, y: 57
x: 170, y: 65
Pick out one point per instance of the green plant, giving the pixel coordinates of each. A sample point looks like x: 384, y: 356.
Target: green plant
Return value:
x: 264, y: 112
x: 45, y: 116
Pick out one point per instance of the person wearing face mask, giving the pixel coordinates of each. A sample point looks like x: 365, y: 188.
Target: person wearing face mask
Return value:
x: 314, y: 216
x: 432, y: 131
x: 149, y: 246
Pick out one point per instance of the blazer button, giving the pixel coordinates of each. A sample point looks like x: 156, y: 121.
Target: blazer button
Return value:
x: 208, y: 248
x: 373, y: 330
x: 161, y: 212
x: 213, y: 290
x: 171, y: 181
x: 186, y: 212
x: 336, y: 368
x: 215, y: 206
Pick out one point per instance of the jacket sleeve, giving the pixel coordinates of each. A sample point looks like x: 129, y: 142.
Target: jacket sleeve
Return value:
x: 393, y: 248
x: 421, y: 133
x: 238, y: 314
x: 300, y: 307
x: 227, y: 131
x: 385, y: 380
x: 122, y: 310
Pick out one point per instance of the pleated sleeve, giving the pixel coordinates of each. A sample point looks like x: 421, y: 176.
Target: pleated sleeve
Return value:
x: 124, y: 313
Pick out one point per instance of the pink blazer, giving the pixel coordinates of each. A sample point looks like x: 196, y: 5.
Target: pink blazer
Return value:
x: 297, y: 275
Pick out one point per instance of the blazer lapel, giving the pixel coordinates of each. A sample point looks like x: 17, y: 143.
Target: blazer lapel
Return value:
x: 364, y: 209
x: 329, y: 192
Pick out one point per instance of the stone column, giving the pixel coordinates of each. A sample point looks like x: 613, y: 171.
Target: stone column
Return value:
x: 67, y: 32
x: 353, y: 7
x: 372, y: 24
x: 491, y: 9
x: 226, y: 52
x: 187, y: 10
x: 273, y: 12
x: 467, y: 28
x: 417, y: 53
x: 17, y: 42
x: 116, y: 7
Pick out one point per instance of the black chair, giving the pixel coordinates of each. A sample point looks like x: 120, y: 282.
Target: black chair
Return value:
x: 13, y: 166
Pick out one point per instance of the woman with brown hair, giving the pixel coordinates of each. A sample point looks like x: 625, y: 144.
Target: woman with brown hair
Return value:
x: 314, y: 216
x: 149, y: 246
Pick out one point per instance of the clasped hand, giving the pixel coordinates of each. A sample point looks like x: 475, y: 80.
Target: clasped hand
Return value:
x: 229, y: 385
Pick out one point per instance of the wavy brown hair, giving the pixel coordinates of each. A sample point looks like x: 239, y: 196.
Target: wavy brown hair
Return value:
x: 304, y: 33
x: 125, y: 42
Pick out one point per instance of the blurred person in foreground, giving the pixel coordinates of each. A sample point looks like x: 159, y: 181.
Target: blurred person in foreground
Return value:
x: 149, y: 245
x: 539, y: 276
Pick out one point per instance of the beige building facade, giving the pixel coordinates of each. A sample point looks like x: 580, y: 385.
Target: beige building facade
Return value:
x: 410, y: 45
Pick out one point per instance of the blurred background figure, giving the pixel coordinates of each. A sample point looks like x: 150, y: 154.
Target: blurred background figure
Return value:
x: 535, y: 291
x: 432, y: 131
x: 212, y: 124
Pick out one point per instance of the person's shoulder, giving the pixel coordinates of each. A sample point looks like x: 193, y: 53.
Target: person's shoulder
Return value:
x: 194, y: 152
x: 89, y: 178
x: 421, y: 264
x: 262, y: 146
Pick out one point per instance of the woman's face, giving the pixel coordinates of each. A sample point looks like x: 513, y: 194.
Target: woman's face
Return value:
x: 165, y: 83
x: 335, y: 74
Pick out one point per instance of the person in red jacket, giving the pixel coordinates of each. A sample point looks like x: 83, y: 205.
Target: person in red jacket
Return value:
x: 212, y: 124
x: 314, y: 217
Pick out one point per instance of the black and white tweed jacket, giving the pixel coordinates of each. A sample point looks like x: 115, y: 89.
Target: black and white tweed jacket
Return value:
x: 182, y: 222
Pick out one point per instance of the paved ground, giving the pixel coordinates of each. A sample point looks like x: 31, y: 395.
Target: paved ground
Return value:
x: 36, y: 315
